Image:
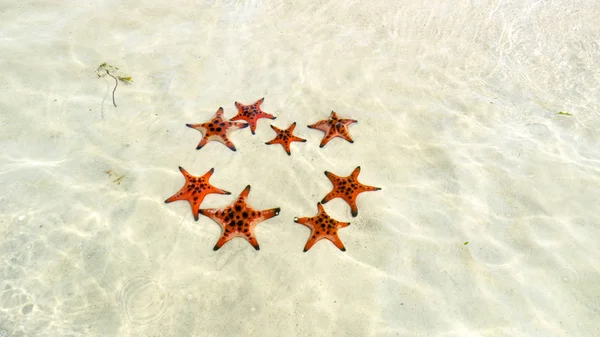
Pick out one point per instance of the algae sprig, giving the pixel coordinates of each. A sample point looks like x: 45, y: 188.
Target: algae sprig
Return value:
x: 105, y: 69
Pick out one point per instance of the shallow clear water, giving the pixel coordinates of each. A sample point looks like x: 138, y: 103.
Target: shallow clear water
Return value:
x: 486, y: 224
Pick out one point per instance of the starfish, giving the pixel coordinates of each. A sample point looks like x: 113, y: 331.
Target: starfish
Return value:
x: 347, y: 188
x: 285, y: 137
x: 239, y: 219
x: 195, y: 189
x: 334, y: 127
x: 217, y: 129
x: 251, y: 113
x: 322, y: 226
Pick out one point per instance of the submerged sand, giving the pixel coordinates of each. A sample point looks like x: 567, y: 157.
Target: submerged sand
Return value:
x: 486, y: 224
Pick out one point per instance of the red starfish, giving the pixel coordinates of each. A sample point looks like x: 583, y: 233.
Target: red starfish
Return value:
x: 334, y: 127
x: 251, y: 113
x: 322, y: 226
x: 239, y: 219
x: 195, y: 189
x: 217, y: 129
x: 347, y: 188
x: 285, y: 137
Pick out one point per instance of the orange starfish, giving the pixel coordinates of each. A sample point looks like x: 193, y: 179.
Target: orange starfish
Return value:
x: 322, y: 226
x: 251, y: 113
x: 217, y: 129
x: 334, y: 127
x: 285, y: 137
x: 347, y: 188
x: 239, y: 219
x: 195, y: 189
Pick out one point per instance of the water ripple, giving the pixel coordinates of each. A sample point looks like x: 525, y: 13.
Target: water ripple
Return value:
x: 142, y: 300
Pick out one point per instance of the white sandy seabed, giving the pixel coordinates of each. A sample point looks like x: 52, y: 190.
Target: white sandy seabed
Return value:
x: 487, y: 223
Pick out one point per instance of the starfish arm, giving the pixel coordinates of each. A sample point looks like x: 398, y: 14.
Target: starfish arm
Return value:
x: 185, y: 173
x: 307, y: 221
x: 236, y: 118
x: 199, y: 127
x: 234, y: 126
x: 269, y: 213
x: 330, y: 196
x: 252, y: 124
x: 218, y: 191
x: 229, y: 144
x: 320, y: 209
x: 325, y: 140
x: 320, y: 125
x: 367, y: 188
x: 329, y: 136
x: 196, y: 207
x: 362, y: 187
x: 202, y: 129
x: 252, y: 241
x: 311, y: 241
x: 203, y: 142
x: 336, y: 241
x: 259, y: 102
x: 332, y: 177
x: 265, y: 115
x: 286, y: 147
x: 180, y: 195
x: 340, y: 130
x: 223, y: 240
x: 244, y: 193
x: 348, y: 122
x: 346, y: 136
x: 183, y: 195
x: 302, y: 221
x: 353, y: 207
x: 211, y: 213
x: 208, y: 174
x: 297, y: 139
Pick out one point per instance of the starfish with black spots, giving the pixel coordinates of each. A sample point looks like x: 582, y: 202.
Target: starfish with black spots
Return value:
x: 285, y: 137
x: 195, y: 189
x: 322, y: 226
x: 239, y: 219
x: 251, y: 113
x: 347, y: 188
x: 217, y: 129
x: 334, y: 127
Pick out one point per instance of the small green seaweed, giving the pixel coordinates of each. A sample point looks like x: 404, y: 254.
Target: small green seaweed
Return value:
x: 466, y: 243
x: 125, y: 79
x: 111, y: 174
x: 105, y: 69
x: 118, y: 180
x: 565, y: 113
